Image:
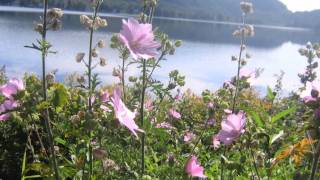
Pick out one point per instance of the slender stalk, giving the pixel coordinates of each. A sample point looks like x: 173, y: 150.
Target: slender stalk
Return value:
x: 222, y: 165
x: 254, y: 163
x: 90, y: 54
x: 315, y: 162
x: 239, y: 66
x: 44, y: 89
x: 90, y: 80
x: 123, y: 69
x: 142, y: 114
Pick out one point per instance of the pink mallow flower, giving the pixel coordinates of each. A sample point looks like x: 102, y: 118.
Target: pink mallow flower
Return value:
x: 11, y: 88
x: 123, y: 114
x: 312, y: 92
x: 231, y: 128
x: 139, y: 39
x: 104, y: 96
x: 7, y: 106
x: 165, y: 125
x: 250, y: 76
x: 194, y: 169
x: 173, y: 113
x: 188, y: 136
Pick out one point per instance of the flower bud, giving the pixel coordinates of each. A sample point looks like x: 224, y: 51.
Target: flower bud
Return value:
x: 99, y: 153
x: 55, y: 13
x: 101, y: 44
x: 38, y: 28
x: 116, y: 72
x: 79, y: 57
x: 103, y: 61
x: 234, y: 58
x: 94, y: 53
x: 50, y: 78
x: 246, y: 7
x: 309, y: 45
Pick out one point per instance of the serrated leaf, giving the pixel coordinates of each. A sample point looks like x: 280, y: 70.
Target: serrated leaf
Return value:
x: 60, y: 141
x: 283, y: 114
x: 257, y: 119
x: 276, y: 137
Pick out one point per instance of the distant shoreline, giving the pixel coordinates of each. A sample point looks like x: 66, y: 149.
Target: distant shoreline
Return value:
x: 70, y: 12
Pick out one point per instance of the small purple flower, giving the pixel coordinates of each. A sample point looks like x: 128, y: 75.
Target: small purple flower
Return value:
x: 231, y: 128
x: 139, y: 39
x: 173, y: 113
x: 312, y: 92
x: 211, y: 122
x: 210, y: 105
x: 164, y: 125
x: 188, y: 136
x: 104, y: 96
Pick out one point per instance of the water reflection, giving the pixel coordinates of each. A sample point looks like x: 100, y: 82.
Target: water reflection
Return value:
x: 204, y: 57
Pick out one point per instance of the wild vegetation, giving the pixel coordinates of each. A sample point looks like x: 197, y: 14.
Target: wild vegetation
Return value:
x: 143, y: 128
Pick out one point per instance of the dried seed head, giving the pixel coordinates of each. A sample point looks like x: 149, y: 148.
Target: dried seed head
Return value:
x: 101, y: 44
x: 234, y: 58
x: 109, y: 164
x: 103, y: 61
x: 55, y: 24
x: 309, y: 45
x: 246, y: 7
x: 79, y: 57
x: 94, y: 53
x: 99, y: 153
x: 116, y: 72
x: 55, y: 13
x: 81, y: 80
x: 50, y: 78
x: 249, y: 30
x: 38, y: 28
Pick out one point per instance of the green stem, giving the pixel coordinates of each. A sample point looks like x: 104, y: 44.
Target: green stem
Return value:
x: 315, y: 162
x: 254, y: 163
x: 222, y: 165
x: 44, y: 90
x: 234, y: 102
x: 142, y: 114
x: 123, y: 69
x: 90, y: 81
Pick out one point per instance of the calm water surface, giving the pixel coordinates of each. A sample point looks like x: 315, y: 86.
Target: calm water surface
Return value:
x: 204, y: 57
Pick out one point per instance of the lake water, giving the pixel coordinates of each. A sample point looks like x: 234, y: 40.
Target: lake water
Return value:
x: 205, y: 57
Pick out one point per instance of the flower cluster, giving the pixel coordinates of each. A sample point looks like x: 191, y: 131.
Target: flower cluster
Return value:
x: 53, y: 21
x: 95, y: 24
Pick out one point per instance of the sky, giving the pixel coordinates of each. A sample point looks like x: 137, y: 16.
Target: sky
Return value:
x: 302, y: 5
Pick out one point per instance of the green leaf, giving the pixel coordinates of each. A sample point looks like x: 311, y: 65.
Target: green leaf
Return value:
x: 257, y: 119
x: 270, y: 94
x: 283, y: 114
x: 32, y: 177
x: 276, y: 137
x: 24, y: 164
x: 60, y: 141
x: 58, y: 95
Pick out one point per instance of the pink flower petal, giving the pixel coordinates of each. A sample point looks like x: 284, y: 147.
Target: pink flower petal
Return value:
x: 194, y: 169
